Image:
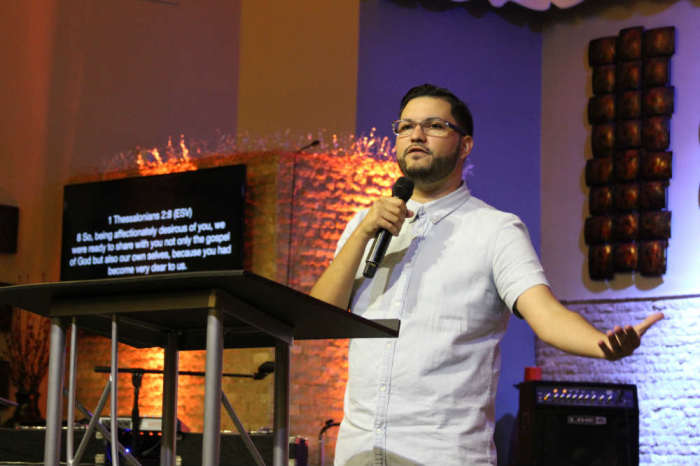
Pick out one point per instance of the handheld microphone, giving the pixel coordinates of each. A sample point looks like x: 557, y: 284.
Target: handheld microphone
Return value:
x: 403, y: 189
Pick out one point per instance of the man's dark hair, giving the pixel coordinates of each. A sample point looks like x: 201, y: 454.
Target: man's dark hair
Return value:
x: 460, y: 111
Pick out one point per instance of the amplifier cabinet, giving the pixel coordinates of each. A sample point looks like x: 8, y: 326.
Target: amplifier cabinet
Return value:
x: 577, y: 424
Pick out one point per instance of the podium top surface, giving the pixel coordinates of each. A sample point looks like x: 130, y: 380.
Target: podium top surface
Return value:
x: 256, y: 312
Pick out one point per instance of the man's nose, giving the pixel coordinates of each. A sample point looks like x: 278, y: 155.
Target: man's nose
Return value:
x: 418, y: 134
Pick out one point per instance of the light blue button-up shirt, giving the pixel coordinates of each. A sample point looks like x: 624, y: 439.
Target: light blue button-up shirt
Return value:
x: 450, y: 276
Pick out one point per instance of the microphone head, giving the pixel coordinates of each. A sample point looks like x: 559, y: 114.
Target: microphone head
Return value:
x: 403, y: 189
x: 265, y: 368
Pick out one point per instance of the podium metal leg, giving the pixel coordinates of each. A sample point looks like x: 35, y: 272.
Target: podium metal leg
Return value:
x: 170, y: 369
x: 54, y: 396
x: 71, y: 392
x: 94, y: 419
x: 96, y: 424
x: 280, y: 452
x: 114, y: 430
x: 241, y: 430
x: 212, y: 389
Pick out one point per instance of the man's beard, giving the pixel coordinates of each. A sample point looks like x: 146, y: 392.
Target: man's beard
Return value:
x: 439, y: 168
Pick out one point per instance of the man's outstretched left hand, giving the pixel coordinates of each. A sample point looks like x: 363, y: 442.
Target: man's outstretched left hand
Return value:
x: 621, y: 342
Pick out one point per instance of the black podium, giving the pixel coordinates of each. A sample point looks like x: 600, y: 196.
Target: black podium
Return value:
x: 184, y: 311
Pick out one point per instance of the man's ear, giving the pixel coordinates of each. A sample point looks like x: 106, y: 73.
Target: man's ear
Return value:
x: 466, y: 144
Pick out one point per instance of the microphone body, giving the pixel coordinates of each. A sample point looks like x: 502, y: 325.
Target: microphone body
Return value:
x: 403, y: 189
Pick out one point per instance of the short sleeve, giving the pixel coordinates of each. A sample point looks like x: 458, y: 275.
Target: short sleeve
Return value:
x: 515, y: 264
x: 349, y: 228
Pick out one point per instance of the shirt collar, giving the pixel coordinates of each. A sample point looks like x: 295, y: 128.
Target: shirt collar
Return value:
x: 440, y: 208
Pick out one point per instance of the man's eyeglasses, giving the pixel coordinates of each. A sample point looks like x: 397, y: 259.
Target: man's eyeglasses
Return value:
x: 430, y: 127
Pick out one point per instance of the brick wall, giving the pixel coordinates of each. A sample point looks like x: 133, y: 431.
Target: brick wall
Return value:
x: 666, y: 370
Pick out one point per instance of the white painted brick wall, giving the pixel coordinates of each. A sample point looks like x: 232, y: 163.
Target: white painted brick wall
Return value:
x: 666, y: 370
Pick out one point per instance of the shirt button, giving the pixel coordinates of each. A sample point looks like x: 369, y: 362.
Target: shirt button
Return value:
x: 379, y: 429
x: 382, y: 388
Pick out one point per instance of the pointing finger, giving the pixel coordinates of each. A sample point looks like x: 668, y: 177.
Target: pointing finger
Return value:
x: 644, y: 325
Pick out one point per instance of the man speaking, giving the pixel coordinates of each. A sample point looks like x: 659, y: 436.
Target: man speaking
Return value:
x: 454, y: 270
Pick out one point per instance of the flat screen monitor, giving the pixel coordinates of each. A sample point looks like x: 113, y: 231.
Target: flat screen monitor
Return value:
x: 179, y: 222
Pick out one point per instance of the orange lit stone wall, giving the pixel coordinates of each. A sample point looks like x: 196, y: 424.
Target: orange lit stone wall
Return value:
x: 329, y: 189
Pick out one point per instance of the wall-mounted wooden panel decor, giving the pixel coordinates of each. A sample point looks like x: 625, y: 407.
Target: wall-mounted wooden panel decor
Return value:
x: 630, y: 115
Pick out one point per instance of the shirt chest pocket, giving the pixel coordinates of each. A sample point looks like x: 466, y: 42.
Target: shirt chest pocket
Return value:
x: 436, y: 309
x: 448, y: 316
x: 457, y: 302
